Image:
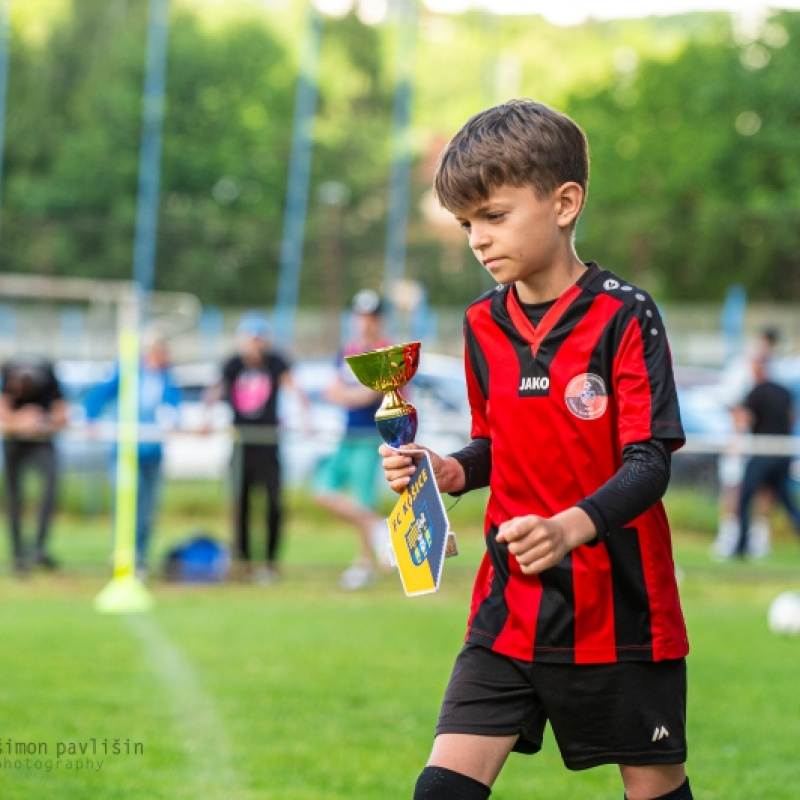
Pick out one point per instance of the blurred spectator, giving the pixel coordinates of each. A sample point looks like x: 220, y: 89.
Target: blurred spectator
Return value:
x: 250, y: 383
x: 32, y: 409
x: 769, y: 411
x: 158, y: 402
x: 345, y: 483
x: 739, y: 381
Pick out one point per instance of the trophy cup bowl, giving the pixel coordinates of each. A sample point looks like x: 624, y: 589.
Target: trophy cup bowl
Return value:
x: 387, y: 370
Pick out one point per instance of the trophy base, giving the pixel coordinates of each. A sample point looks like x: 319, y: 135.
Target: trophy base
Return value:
x: 398, y: 429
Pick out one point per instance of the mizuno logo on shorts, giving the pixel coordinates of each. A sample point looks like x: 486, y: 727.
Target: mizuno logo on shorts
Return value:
x: 659, y: 734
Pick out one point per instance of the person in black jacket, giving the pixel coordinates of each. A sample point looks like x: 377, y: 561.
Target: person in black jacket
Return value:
x: 32, y: 410
x: 769, y: 412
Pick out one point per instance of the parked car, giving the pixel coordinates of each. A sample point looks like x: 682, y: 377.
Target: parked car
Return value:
x: 438, y: 391
x: 705, y: 398
x: 707, y: 423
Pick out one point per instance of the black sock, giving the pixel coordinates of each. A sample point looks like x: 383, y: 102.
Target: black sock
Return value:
x: 683, y: 792
x: 439, y: 783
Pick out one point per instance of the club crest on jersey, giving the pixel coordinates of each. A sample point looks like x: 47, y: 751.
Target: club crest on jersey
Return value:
x: 586, y: 396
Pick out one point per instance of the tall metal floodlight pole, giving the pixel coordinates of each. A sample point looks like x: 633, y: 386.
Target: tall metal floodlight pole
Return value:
x: 5, y: 47
x: 155, y: 86
x: 400, y: 176
x: 294, y: 215
x: 125, y: 592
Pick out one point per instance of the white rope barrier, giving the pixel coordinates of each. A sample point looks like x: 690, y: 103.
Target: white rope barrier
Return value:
x: 742, y: 444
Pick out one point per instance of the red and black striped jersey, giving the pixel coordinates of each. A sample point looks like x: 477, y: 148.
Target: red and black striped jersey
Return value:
x: 558, y: 402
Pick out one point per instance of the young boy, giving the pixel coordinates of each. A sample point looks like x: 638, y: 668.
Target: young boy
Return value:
x: 575, y: 616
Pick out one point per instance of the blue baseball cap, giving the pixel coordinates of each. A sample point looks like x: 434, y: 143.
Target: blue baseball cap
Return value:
x: 367, y: 301
x: 254, y: 324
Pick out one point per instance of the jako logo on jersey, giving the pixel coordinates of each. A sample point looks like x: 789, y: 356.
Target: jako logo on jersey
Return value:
x: 586, y: 396
x: 534, y: 384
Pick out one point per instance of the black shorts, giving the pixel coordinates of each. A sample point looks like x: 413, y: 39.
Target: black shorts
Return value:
x: 627, y: 713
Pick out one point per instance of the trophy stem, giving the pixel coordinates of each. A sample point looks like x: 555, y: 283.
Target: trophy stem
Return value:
x: 393, y: 405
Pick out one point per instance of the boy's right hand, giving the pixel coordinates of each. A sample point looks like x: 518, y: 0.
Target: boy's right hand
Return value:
x: 400, y: 464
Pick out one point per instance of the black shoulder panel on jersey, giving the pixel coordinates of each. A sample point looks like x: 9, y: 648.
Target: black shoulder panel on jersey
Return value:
x: 637, y: 300
x: 638, y: 305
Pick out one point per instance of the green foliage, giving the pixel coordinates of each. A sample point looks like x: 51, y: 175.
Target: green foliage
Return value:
x: 692, y: 132
x: 694, y: 174
x: 220, y: 221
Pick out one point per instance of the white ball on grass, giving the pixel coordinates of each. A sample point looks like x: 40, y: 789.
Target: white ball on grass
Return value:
x: 784, y: 614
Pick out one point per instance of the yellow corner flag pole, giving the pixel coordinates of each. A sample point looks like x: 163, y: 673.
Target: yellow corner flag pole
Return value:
x: 125, y: 593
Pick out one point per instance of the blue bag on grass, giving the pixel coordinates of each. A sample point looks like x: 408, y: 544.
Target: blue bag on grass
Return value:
x: 201, y: 559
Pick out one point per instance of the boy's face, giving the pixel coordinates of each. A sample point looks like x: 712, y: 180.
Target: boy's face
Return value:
x: 519, y: 237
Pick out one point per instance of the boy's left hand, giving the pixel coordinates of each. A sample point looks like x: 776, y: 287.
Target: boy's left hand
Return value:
x: 539, y: 543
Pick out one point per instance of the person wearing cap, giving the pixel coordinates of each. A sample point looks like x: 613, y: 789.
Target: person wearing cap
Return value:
x: 345, y: 484
x: 250, y: 383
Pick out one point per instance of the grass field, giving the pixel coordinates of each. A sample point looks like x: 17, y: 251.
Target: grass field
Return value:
x: 303, y: 692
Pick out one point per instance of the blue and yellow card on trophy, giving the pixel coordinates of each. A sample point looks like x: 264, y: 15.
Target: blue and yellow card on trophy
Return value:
x: 420, y: 532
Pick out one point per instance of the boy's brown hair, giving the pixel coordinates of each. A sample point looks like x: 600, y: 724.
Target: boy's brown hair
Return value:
x: 518, y: 143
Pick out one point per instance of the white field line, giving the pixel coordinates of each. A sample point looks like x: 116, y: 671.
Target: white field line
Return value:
x: 202, y: 731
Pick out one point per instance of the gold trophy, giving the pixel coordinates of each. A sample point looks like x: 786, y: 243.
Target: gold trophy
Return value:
x: 387, y: 370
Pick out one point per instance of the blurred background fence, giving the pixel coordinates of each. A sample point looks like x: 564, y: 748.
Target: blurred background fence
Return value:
x: 87, y: 331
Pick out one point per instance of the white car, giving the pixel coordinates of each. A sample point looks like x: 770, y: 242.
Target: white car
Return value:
x: 438, y: 391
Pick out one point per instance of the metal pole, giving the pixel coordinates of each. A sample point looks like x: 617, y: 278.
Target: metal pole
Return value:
x: 155, y: 79
x: 295, y: 212
x: 5, y: 47
x: 399, y: 182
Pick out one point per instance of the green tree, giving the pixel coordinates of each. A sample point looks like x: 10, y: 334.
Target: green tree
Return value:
x: 72, y: 145
x: 72, y: 153
x: 695, y: 170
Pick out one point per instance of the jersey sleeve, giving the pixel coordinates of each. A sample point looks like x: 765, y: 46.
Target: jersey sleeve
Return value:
x: 476, y: 370
x: 644, y: 382
x: 172, y: 393
x: 101, y: 394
